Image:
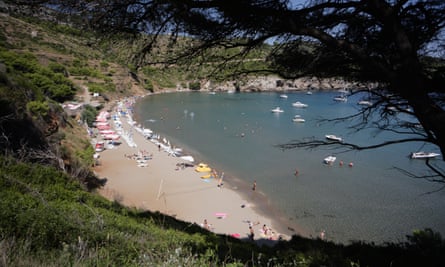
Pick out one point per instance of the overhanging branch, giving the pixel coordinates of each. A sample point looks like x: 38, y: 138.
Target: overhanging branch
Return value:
x: 314, y: 143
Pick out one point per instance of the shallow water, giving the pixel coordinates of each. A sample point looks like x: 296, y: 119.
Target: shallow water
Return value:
x: 238, y: 134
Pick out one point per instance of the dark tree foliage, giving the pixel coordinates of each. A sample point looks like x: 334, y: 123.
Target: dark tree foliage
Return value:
x: 397, y: 43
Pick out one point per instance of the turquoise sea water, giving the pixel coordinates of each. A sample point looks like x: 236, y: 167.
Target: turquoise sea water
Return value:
x: 238, y: 134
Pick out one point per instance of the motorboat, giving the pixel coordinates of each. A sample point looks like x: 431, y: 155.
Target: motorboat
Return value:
x: 202, y: 167
x: 329, y: 159
x: 309, y: 93
x: 391, y: 109
x: 365, y: 103
x: 188, y: 158
x: 283, y: 96
x: 333, y: 137
x: 147, y: 133
x: 298, y: 118
x: 341, y: 98
x: 424, y: 155
x: 298, y: 104
x: 277, y: 110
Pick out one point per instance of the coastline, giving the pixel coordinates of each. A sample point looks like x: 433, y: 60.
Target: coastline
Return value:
x: 182, y: 193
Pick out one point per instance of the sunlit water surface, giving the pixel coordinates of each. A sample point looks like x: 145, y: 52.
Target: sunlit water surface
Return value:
x: 238, y: 133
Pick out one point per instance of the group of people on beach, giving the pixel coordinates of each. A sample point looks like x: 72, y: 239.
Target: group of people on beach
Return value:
x: 142, y: 154
x: 265, y: 231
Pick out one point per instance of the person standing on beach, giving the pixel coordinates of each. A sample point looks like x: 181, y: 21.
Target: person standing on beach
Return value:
x: 251, y: 233
x: 265, y: 230
x: 254, y: 185
x: 206, y: 225
x: 214, y: 174
x: 220, y: 180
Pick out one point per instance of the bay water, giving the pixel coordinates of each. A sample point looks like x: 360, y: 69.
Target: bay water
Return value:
x: 236, y: 133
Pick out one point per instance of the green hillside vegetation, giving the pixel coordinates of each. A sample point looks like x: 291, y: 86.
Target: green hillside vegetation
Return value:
x: 50, y: 214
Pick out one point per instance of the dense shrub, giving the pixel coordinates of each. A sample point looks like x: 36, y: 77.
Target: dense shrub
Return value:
x: 195, y: 86
x: 38, y: 108
x: 89, y: 115
x: 43, y: 81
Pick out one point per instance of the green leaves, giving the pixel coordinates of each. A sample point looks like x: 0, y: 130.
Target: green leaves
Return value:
x: 43, y: 81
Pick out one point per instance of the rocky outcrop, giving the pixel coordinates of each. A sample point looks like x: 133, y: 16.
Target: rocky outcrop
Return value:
x: 274, y: 83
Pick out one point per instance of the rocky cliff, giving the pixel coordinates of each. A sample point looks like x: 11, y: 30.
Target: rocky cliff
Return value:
x: 274, y: 83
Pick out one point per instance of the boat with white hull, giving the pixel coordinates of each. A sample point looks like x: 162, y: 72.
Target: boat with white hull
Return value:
x: 424, y: 155
x: 298, y: 104
x: 277, y: 110
x: 333, y: 137
x: 341, y: 98
x: 298, y: 118
x: 329, y: 159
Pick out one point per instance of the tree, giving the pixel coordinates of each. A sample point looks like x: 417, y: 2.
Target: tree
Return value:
x: 393, y: 42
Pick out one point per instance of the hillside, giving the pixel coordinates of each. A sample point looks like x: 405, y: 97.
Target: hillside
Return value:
x: 49, y: 213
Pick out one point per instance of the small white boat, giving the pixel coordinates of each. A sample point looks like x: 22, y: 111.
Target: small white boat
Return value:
x: 333, y: 137
x: 298, y: 104
x: 341, y: 98
x: 283, y: 96
x: 424, y: 155
x: 188, y: 158
x: 365, y: 103
x: 298, y: 118
x: 391, y: 108
x: 277, y: 110
x: 309, y: 93
x: 329, y: 159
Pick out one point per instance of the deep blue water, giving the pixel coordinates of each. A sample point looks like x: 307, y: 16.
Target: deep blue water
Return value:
x: 238, y: 134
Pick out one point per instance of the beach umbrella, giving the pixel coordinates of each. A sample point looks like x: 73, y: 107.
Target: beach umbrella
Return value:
x: 107, y: 132
x: 103, y: 127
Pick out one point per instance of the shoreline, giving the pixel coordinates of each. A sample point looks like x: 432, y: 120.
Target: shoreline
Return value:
x: 182, y: 193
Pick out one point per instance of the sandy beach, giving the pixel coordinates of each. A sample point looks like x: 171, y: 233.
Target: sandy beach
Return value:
x: 162, y: 183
